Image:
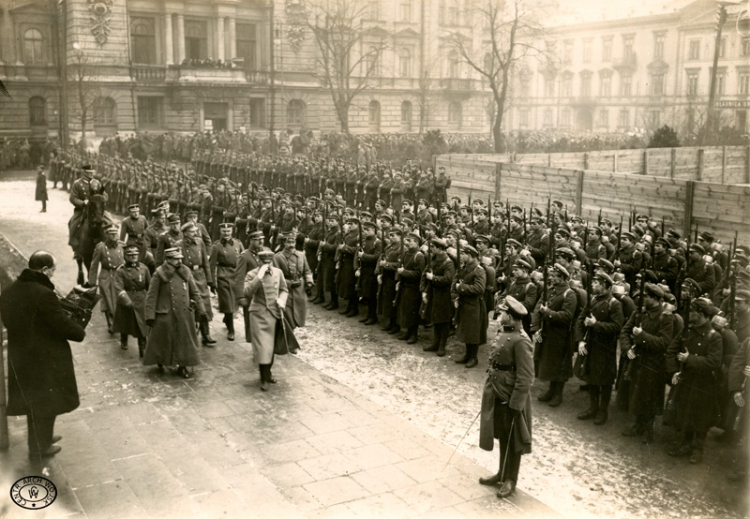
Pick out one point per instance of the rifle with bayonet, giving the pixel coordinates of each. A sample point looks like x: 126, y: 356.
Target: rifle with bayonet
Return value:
x: 638, y: 316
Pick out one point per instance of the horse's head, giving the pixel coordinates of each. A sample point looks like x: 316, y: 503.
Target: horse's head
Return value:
x: 95, y: 209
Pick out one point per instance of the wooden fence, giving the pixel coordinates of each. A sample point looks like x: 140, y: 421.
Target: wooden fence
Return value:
x: 684, y: 204
x: 720, y: 164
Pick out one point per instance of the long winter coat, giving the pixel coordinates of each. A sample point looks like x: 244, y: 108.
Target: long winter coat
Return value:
x: 246, y: 262
x: 648, y: 374
x: 439, y: 307
x: 409, y: 296
x: 110, y: 256
x: 195, y: 258
x: 263, y: 295
x: 696, y: 399
x: 554, y: 354
x: 327, y: 265
x: 510, y: 347
x: 41, y: 187
x: 169, y: 304
x: 347, y: 282
x: 367, y: 283
x: 298, y: 276
x: 223, y: 261
x: 131, y: 285
x: 41, y: 377
x: 387, y: 291
x: 471, y: 318
x: 601, y: 339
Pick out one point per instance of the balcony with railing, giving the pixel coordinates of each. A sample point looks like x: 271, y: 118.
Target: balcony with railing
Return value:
x: 148, y: 73
x: 457, y: 84
x: 200, y: 75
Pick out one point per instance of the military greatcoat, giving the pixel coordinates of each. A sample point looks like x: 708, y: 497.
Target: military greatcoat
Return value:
x: 109, y: 255
x: 131, y: 284
x: 223, y: 261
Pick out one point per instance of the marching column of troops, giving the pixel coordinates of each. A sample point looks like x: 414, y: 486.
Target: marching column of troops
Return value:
x: 629, y: 306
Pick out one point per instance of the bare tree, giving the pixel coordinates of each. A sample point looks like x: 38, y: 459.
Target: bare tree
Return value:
x: 348, y: 54
x: 426, y: 82
x: 86, y: 89
x: 510, y: 32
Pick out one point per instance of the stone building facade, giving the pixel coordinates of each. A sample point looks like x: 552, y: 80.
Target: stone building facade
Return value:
x: 151, y: 65
x: 629, y: 72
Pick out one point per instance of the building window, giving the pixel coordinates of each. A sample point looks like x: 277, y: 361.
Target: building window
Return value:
x: 404, y: 62
x: 627, y: 46
x: 692, y: 84
x: 565, y: 118
x: 373, y: 10
x: 659, y: 46
x: 549, y: 87
x: 745, y: 46
x: 740, y: 120
x: 722, y: 47
x: 196, y: 39
x: 605, y: 86
x: 720, y: 80
x: 626, y: 83
x: 588, y: 46
x: 607, y: 50
x: 405, y: 10
x: 603, y: 121
x: 33, y: 46
x: 524, y: 86
x: 373, y: 117
x: 624, y: 118
x: 523, y: 117
x: 143, y: 40
x: 149, y: 112
x: 657, y: 84
x: 258, y: 113
x: 406, y: 116
x: 586, y: 85
x: 567, y: 51
x: 372, y: 62
x: 694, y: 50
x: 548, y: 118
x: 744, y: 83
x: 37, y: 111
x: 455, y: 115
x: 453, y: 64
x: 296, y: 113
x: 105, y: 112
x: 246, y: 38
x: 567, y: 86
x: 654, y: 118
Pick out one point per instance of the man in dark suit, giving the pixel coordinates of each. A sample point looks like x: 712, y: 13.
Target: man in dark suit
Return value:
x: 41, y: 377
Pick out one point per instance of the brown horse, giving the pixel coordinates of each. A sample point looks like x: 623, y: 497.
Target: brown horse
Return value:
x: 90, y: 233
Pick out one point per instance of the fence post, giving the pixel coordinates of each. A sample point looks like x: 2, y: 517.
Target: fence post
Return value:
x: 585, y: 162
x: 723, y: 162
x: 579, y: 192
x: 645, y: 162
x: 747, y: 165
x: 688, y: 223
x: 700, y: 164
x: 498, y: 180
x: 673, y: 163
x: 549, y: 160
x: 614, y: 163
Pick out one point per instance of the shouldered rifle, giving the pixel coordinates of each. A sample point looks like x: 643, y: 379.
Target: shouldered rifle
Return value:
x: 360, y: 245
x: 662, y: 225
x: 638, y: 317
x: 599, y: 218
x: 549, y: 212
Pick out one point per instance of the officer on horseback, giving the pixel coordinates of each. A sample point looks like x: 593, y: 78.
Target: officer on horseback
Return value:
x: 80, y: 194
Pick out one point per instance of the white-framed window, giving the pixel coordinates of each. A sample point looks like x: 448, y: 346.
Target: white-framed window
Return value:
x: 694, y: 49
x: 607, y: 49
x: 33, y: 46
x: 566, y: 118
x: 406, y: 116
x: 455, y: 115
x: 150, y: 112
x: 692, y: 83
x: 626, y: 86
x: 657, y: 84
x: 623, y: 120
x: 105, y: 112
x: 547, y: 118
x: 196, y: 39
x: 404, y: 62
x: 588, y: 50
x: 296, y: 112
x: 603, y: 118
x: 37, y: 111
x: 143, y: 39
x: 659, y: 40
x: 523, y: 117
x: 743, y: 83
x: 373, y: 116
x: 605, y: 86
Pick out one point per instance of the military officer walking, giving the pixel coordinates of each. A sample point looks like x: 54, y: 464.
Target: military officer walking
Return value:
x: 132, y: 280
x: 109, y: 256
x: 195, y: 258
x: 223, y: 261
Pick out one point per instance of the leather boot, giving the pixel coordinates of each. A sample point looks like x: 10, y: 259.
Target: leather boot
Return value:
x: 123, y: 341
x: 207, y: 340
x: 492, y: 480
x: 509, y: 486
x: 604, y: 398
x: 394, y: 330
x: 229, y: 321
x: 557, y: 398
x: 547, y: 396
x: 697, y: 454
x: 141, y: 346
x: 593, y: 409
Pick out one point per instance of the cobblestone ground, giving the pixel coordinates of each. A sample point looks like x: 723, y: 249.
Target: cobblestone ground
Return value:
x: 576, y: 468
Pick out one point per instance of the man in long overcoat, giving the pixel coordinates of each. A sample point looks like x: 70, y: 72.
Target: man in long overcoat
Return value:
x: 108, y: 255
x: 170, y: 301
x: 223, y: 262
x: 506, y: 399
x: 386, y: 272
x: 267, y: 292
x: 467, y: 293
x: 347, y: 281
x: 131, y: 284
x: 41, y: 377
x: 366, y: 262
x: 298, y: 276
x: 552, y: 325
x: 408, y: 276
x: 41, y: 188
x: 596, y: 333
x: 327, y: 263
x: 645, y: 338
x: 246, y: 262
x: 195, y: 257
x: 436, y: 290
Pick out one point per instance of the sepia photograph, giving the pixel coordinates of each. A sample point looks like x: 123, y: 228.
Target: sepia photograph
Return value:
x: 403, y: 259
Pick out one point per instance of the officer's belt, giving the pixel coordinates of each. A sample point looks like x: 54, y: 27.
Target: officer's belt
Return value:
x: 227, y: 265
x: 503, y: 367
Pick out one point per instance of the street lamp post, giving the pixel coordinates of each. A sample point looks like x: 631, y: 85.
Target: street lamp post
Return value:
x: 721, y: 16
